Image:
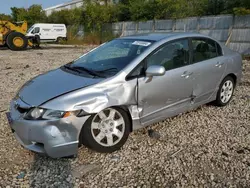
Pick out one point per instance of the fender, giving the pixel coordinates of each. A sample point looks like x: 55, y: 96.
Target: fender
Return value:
x: 96, y: 98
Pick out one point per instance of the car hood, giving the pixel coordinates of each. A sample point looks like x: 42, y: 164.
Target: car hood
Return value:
x: 51, y: 85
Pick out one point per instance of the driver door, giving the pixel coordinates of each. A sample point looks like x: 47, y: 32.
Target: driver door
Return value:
x: 37, y: 31
x: 164, y: 96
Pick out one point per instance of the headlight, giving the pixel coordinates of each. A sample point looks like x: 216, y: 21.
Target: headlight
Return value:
x: 35, y: 113
x: 45, y: 114
x: 40, y: 113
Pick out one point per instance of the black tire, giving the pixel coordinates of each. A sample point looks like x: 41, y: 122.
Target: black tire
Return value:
x: 60, y: 40
x: 37, y: 41
x: 86, y: 138
x: 10, y: 41
x: 218, y: 101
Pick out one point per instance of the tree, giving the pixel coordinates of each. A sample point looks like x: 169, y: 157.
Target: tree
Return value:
x: 215, y: 7
x: 165, y: 9
x: 241, y: 11
x: 35, y: 14
x: 32, y: 15
x: 18, y: 14
x: 67, y: 17
x: 143, y: 10
x: 188, y: 8
x: 241, y: 7
x: 5, y: 17
x: 95, y: 14
x: 123, y: 12
x: 14, y: 13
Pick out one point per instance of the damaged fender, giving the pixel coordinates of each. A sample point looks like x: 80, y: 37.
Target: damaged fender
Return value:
x: 98, y: 97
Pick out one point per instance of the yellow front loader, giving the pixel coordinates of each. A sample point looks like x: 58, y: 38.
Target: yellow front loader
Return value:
x: 13, y: 36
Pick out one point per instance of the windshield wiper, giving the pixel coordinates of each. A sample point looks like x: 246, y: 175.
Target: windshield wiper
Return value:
x: 110, y: 69
x: 67, y: 66
x: 91, y: 72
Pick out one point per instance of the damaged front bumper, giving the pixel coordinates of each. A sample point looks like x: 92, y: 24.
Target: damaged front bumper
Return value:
x: 55, y: 138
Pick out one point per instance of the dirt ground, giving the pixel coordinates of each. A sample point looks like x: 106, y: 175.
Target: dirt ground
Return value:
x: 208, y: 147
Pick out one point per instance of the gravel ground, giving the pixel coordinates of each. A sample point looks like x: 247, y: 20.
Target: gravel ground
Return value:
x: 208, y: 147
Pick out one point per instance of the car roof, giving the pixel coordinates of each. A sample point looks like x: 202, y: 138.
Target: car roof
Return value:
x: 161, y: 36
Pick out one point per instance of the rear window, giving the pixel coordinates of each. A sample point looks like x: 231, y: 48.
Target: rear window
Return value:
x: 205, y: 49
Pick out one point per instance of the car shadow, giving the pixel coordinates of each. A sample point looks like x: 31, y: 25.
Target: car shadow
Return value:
x: 4, y: 48
x: 48, y: 172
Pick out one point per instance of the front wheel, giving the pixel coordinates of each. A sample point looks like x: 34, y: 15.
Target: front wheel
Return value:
x: 17, y: 41
x: 106, y: 131
x: 225, y: 92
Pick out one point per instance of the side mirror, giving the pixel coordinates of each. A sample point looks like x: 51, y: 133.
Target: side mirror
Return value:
x: 155, y: 70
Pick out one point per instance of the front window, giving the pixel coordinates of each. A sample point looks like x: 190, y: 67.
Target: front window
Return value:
x: 171, y: 56
x: 30, y: 29
x: 36, y: 30
x: 111, y: 57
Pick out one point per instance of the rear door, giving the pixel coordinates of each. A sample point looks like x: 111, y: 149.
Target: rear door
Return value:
x: 208, y: 68
x: 170, y: 94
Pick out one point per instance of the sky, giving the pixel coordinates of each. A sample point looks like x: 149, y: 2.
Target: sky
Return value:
x: 6, y: 4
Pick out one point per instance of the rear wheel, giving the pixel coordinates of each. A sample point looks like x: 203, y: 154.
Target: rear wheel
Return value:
x: 225, y: 92
x: 60, y: 40
x: 17, y: 41
x: 106, y: 131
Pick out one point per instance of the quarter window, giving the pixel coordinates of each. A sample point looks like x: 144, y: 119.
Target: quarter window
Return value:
x: 172, y: 55
x: 204, y: 49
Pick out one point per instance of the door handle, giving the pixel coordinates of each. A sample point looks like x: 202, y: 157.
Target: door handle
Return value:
x: 219, y: 64
x: 186, y: 74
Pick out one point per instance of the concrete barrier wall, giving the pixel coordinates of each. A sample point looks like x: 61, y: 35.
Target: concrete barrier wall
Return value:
x: 234, y: 29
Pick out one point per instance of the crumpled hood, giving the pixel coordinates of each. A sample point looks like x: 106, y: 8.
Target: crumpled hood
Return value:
x: 51, y: 85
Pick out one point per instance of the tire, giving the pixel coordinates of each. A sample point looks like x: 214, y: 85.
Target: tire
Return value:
x: 60, y: 40
x: 225, y: 92
x: 37, y: 41
x: 105, y: 134
x: 17, y: 41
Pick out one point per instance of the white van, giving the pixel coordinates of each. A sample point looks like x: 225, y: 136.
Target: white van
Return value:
x: 48, y: 32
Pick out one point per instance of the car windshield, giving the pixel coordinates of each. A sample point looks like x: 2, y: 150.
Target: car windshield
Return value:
x: 30, y: 29
x: 111, y: 57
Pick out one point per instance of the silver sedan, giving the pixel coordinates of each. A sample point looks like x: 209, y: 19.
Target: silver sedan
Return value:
x: 123, y: 85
